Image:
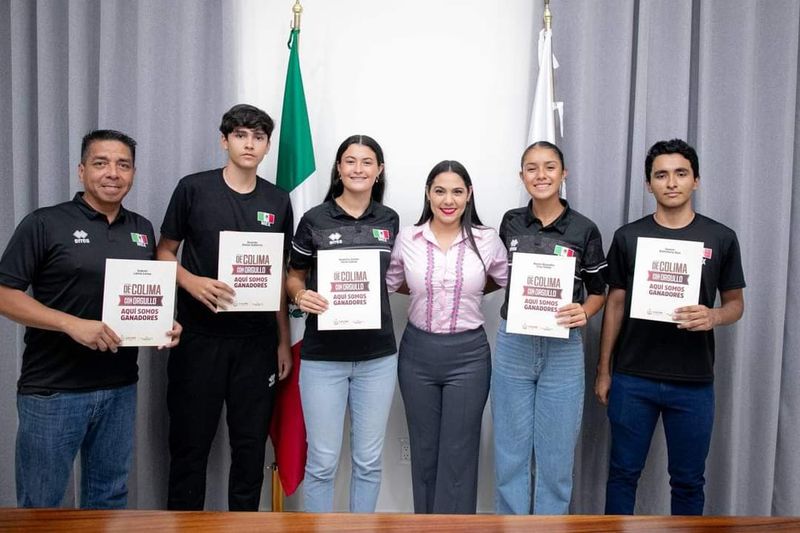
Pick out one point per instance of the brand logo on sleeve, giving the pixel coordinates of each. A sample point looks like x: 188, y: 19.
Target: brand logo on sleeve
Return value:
x: 381, y: 234
x: 335, y: 238
x: 140, y: 239
x: 81, y: 237
x: 266, y: 219
x: 563, y: 251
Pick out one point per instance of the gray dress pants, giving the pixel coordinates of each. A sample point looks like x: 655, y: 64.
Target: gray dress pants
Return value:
x: 444, y: 380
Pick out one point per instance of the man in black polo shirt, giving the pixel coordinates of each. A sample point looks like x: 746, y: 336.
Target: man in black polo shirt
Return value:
x: 225, y: 358
x: 72, y: 394
x: 662, y: 368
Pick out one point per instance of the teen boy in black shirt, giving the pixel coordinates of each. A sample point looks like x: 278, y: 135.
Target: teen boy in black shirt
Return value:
x: 227, y: 357
x: 664, y: 369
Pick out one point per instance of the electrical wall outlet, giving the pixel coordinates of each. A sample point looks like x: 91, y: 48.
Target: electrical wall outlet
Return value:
x: 405, y: 451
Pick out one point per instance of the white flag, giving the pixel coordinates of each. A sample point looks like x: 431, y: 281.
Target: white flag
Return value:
x: 543, y: 124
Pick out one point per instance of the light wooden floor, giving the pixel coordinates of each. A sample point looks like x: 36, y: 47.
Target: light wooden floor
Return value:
x: 70, y: 520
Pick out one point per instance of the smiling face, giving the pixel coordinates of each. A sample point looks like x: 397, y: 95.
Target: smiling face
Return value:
x: 106, y: 174
x: 542, y: 173
x: 448, y: 196
x: 358, y: 169
x: 246, y: 147
x: 672, y: 181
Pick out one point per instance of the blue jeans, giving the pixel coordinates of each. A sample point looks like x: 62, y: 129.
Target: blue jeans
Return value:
x: 52, y: 428
x: 326, y: 389
x: 537, y: 403
x: 687, y: 412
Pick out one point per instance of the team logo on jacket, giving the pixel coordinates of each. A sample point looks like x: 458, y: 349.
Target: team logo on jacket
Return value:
x: 140, y: 239
x: 512, y: 246
x: 563, y: 251
x: 266, y: 219
x: 381, y: 234
x: 335, y: 238
x: 81, y: 237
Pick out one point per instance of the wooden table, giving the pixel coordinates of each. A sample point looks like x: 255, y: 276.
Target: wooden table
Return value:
x: 71, y: 520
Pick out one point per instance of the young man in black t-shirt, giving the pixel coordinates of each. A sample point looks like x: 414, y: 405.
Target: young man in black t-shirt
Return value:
x: 664, y: 369
x: 231, y: 358
x: 71, y: 394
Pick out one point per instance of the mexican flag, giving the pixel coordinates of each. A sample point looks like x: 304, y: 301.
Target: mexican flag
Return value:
x: 295, y: 167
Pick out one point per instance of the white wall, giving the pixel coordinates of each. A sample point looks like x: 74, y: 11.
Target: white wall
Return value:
x: 430, y: 80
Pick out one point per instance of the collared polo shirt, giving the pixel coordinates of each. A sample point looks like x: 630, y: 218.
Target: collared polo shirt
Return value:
x: 570, y: 234
x: 328, y: 227
x: 201, y: 206
x: 60, y: 252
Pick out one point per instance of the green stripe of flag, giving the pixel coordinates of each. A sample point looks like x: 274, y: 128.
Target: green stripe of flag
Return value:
x: 295, y: 151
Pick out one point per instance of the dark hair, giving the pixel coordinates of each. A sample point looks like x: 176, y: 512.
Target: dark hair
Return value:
x: 107, y: 135
x: 543, y: 144
x: 246, y: 116
x: 336, y: 187
x: 469, y: 218
x: 673, y: 146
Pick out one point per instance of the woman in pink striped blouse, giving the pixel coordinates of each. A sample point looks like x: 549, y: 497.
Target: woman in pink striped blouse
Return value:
x: 447, y: 261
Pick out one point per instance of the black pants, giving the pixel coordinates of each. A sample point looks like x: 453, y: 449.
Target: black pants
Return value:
x: 444, y: 380
x: 205, y: 371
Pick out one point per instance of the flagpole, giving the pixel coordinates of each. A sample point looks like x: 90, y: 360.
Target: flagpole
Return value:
x: 548, y: 26
x: 548, y: 17
x: 277, y: 488
x: 297, y: 9
x: 295, y: 175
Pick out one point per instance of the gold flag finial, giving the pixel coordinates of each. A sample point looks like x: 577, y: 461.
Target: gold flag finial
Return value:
x: 548, y: 17
x: 297, y: 9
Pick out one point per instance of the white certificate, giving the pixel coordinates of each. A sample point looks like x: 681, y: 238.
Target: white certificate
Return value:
x: 666, y: 276
x: 251, y: 263
x: 540, y: 285
x: 139, y: 300
x: 351, y: 282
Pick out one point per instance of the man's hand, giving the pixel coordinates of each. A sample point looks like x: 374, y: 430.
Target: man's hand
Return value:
x: 210, y: 292
x: 284, y: 360
x: 93, y: 334
x: 695, y: 318
x: 602, y: 386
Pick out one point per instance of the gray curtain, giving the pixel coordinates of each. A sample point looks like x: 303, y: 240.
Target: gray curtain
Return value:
x: 721, y: 73
x: 724, y: 75
x: 153, y: 69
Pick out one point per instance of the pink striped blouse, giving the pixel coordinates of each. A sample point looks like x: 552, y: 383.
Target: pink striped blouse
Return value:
x: 445, y: 287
